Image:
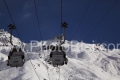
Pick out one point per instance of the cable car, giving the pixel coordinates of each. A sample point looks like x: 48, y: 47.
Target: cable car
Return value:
x: 16, y: 58
x: 58, y: 56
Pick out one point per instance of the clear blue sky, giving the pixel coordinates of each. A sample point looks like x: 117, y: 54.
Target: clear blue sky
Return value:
x: 23, y: 13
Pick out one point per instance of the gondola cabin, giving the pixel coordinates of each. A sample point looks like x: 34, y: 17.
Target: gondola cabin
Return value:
x: 58, y: 57
x: 16, y: 58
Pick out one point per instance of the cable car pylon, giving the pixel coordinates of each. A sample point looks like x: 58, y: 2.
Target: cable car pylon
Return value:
x: 64, y: 25
x: 11, y: 27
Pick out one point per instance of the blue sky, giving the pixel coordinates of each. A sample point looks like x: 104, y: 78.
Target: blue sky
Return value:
x: 23, y: 13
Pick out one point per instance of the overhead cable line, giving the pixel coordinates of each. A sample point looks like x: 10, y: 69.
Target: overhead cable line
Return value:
x: 60, y: 17
x: 101, y: 20
x: 38, y: 20
x: 12, y: 20
x: 89, y: 19
x: 33, y: 66
x: 40, y: 32
x: 19, y: 35
x: 38, y: 23
x: 81, y: 20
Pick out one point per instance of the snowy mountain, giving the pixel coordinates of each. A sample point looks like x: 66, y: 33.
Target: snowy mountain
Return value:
x: 85, y: 62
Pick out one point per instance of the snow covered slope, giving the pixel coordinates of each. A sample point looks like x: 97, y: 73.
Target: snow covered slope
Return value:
x: 86, y: 62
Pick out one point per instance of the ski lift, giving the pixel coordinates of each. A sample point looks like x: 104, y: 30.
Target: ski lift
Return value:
x: 15, y: 58
x: 58, y: 56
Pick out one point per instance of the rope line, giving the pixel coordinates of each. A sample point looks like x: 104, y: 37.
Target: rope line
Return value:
x: 89, y: 18
x: 61, y: 17
x: 40, y: 32
x: 100, y: 20
x: 37, y: 19
x: 12, y: 20
x: 81, y: 20
x: 19, y: 35
x: 33, y: 66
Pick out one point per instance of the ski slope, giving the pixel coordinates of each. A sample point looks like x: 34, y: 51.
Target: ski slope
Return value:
x: 86, y: 62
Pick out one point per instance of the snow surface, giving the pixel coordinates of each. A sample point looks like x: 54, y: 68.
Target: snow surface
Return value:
x: 88, y: 62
